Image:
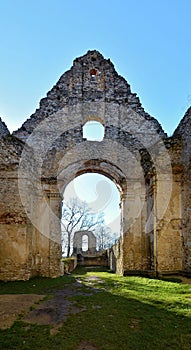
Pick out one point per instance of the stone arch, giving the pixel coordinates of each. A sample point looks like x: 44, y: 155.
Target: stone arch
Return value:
x: 133, y: 154
x: 96, y: 118
x: 129, y: 179
x: 101, y: 166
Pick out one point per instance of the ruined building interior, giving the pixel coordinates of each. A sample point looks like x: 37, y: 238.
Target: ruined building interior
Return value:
x: 151, y: 170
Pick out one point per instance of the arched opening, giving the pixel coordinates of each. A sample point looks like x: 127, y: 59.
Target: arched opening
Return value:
x: 91, y: 201
x: 84, y: 243
x: 93, y: 72
x: 93, y: 131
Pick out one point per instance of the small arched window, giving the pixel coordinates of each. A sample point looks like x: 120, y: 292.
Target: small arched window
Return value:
x: 85, y: 243
x: 93, y: 131
x: 93, y: 72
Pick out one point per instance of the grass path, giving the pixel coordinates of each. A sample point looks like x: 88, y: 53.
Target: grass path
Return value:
x: 102, y: 311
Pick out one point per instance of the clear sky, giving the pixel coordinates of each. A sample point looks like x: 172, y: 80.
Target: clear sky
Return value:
x: 149, y: 42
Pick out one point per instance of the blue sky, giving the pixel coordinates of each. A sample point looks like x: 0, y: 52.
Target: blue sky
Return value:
x: 148, y: 42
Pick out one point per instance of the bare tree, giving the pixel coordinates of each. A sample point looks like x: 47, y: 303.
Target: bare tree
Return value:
x: 105, y: 237
x: 76, y: 216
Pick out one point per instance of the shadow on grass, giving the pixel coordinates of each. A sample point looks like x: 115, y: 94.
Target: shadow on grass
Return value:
x: 36, y: 285
x: 83, y: 270
x: 170, y: 279
x: 109, y: 320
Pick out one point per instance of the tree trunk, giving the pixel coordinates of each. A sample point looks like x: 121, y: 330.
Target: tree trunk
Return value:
x: 69, y: 243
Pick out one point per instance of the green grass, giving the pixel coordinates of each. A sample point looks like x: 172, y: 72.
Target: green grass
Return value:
x: 37, y: 285
x: 124, y: 313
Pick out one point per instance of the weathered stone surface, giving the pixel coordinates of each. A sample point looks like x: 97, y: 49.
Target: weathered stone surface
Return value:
x: 152, y: 173
x: 78, y: 85
x: 3, y: 129
x: 78, y: 242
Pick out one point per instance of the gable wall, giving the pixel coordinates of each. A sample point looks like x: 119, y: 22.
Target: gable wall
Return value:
x: 48, y: 151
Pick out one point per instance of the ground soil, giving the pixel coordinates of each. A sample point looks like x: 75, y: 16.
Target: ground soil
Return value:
x: 14, y: 306
x: 32, y: 308
x: 86, y: 346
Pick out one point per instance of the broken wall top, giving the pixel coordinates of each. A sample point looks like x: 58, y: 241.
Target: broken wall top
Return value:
x: 3, y: 129
x: 184, y: 126
x: 10, y: 152
x: 92, y: 79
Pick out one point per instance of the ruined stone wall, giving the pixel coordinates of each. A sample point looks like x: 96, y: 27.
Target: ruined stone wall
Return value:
x: 80, y: 86
x: 182, y: 133
x: 3, y: 129
x: 77, y: 242
x: 88, y: 260
x: 24, y: 250
x: 168, y: 241
x: 151, y: 171
x: 14, y: 224
x: 115, y: 257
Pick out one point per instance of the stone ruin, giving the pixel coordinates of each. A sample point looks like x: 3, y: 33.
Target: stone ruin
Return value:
x: 78, y: 243
x: 90, y: 256
x: 152, y: 172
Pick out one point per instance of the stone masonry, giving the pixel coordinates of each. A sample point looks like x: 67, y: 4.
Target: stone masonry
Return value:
x: 151, y: 171
x: 78, y: 242
x: 3, y: 129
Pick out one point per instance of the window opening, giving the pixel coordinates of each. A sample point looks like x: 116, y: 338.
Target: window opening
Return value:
x: 93, y: 131
x: 85, y: 243
x: 93, y: 72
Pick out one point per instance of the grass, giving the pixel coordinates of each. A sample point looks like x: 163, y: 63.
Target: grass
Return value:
x: 37, y: 285
x: 120, y: 313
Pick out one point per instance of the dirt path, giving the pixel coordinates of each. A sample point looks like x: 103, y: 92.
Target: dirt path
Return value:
x: 13, y: 306
x: 32, y: 309
x: 55, y: 310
